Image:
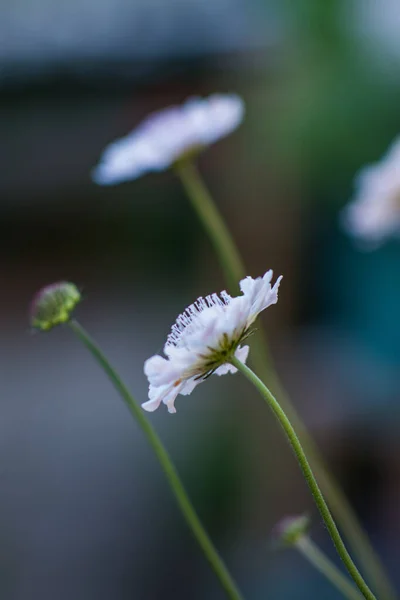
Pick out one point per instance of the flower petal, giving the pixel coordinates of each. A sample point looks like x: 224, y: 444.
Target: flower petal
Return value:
x: 242, y: 353
x: 161, y: 371
x: 259, y: 293
x: 154, y: 402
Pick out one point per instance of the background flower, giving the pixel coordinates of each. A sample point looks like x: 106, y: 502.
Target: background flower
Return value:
x: 374, y: 214
x: 167, y: 135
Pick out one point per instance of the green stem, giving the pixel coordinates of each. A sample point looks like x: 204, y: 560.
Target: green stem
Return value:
x: 166, y: 463
x: 233, y: 269
x: 308, y: 475
x: 321, y: 562
x: 212, y: 221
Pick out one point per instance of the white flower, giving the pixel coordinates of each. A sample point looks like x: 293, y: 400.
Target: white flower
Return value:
x: 204, y: 339
x: 167, y: 135
x: 374, y: 214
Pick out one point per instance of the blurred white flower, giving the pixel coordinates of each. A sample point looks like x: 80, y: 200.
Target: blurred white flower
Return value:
x: 165, y: 136
x: 204, y: 338
x: 374, y: 213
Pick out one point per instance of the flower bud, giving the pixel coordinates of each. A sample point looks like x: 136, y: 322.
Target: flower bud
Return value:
x: 53, y: 305
x: 290, y: 529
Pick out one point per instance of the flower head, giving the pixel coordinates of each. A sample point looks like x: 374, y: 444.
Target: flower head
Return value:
x: 374, y: 214
x: 166, y: 136
x: 53, y: 305
x: 204, y: 339
x: 290, y: 529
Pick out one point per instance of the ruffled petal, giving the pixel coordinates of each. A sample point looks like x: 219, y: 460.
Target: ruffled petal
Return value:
x: 225, y: 369
x: 170, y: 397
x: 161, y: 371
x: 156, y: 395
x: 242, y: 353
x: 259, y: 294
x: 163, y: 393
x: 272, y: 297
x: 151, y: 405
x: 189, y: 385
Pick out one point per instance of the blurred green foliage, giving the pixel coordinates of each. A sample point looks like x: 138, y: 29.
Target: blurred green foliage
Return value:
x: 338, y: 105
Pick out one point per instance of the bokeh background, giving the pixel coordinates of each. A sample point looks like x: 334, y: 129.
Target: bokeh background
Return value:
x: 85, y: 511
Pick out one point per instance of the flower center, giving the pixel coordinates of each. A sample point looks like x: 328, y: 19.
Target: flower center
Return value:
x: 221, y: 354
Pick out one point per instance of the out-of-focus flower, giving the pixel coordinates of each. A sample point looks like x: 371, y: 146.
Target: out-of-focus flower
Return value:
x: 53, y: 305
x: 374, y: 213
x: 204, y: 339
x: 290, y: 529
x: 167, y: 136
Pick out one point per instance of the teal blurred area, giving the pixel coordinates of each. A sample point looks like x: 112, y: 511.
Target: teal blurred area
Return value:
x: 84, y: 510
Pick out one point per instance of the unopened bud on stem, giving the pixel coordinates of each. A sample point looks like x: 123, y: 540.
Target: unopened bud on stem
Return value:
x: 53, y: 305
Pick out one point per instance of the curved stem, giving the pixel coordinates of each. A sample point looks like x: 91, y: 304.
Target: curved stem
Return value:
x: 233, y: 269
x: 308, y: 475
x: 326, y: 567
x: 168, y: 467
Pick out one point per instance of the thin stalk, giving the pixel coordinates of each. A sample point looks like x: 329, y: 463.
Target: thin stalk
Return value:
x: 213, y: 222
x: 308, y: 475
x: 234, y: 270
x: 326, y: 567
x: 166, y: 463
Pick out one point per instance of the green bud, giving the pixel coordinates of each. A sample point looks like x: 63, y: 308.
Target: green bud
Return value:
x: 290, y: 529
x: 53, y: 305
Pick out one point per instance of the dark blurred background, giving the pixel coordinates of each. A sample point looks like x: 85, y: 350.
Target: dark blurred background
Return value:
x: 85, y: 512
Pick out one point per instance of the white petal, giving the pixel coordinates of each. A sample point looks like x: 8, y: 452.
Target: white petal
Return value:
x: 109, y: 174
x: 151, y: 405
x: 268, y: 276
x: 225, y: 369
x: 242, y: 353
x: 154, y: 365
x: 259, y: 293
x: 163, y: 393
x: 160, y: 371
x: 189, y: 385
x: 236, y: 317
x: 184, y: 388
x: 273, y: 294
x: 224, y: 114
x: 247, y: 285
x: 169, y: 399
